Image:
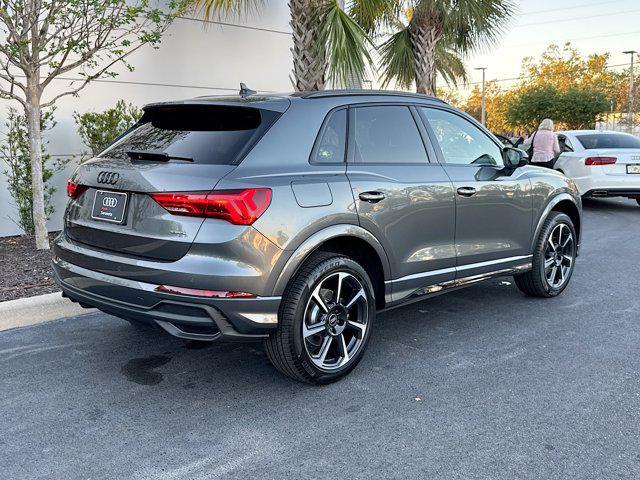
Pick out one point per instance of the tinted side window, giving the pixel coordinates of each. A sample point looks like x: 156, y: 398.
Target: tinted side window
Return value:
x: 331, y: 143
x: 461, y: 141
x: 387, y: 134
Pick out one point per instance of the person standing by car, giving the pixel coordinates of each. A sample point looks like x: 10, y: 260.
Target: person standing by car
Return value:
x: 544, y: 146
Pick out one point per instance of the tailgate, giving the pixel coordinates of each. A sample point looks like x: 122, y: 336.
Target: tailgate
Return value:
x: 174, y: 148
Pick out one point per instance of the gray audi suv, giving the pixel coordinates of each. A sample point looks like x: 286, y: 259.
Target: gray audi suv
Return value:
x: 293, y: 219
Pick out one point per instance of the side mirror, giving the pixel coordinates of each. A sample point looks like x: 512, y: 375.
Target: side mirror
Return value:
x: 514, y: 157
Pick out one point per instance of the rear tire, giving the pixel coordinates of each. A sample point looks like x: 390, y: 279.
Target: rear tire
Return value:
x: 325, y: 320
x: 553, y: 258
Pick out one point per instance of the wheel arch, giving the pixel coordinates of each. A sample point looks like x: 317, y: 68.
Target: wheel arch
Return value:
x: 350, y: 240
x: 563, y: 203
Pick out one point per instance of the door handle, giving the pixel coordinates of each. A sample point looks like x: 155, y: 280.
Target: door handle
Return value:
x: 466, y: 191
x: 371, y: 197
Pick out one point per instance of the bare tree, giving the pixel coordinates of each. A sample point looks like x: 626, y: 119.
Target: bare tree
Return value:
x: 45, y: 39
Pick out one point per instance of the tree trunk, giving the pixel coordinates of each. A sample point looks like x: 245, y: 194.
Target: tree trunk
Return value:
x: 425, y: 33
x: 35, y: 151
x: 309, y: 56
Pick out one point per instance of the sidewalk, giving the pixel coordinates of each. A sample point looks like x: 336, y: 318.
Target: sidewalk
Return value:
x: 32, y: 310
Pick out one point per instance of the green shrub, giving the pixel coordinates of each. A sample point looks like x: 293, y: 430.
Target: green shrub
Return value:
x: 581, y: 108
x: 571, y: 109
x: 14, y: 152
x: 99, y: 129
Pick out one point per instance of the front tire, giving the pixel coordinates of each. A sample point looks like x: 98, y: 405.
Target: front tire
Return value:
x: 325, y: 320
x: 553, y: 258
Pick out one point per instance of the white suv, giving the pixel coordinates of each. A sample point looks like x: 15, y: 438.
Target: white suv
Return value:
x: 601, y: 163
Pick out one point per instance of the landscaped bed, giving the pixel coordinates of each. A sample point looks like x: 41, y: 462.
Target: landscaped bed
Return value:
x: 25, y: 271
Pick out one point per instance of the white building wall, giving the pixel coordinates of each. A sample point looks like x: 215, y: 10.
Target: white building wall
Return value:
x: 194, y: 59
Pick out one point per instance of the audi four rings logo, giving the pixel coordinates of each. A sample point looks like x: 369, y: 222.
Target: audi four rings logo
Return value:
x: 109, y: 178
x: 109, y: 202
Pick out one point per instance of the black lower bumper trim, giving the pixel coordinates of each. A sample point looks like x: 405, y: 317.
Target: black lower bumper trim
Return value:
x: 612, y: 192
x: 209, y: 326
x: 180, y: 316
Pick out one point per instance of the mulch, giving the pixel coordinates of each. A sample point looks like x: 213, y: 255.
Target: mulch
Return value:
x: 24, y: 271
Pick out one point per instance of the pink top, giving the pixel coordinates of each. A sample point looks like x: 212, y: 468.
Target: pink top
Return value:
x: 545, y: 146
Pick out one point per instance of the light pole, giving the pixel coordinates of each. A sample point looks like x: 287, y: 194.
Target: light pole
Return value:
x: 483, y: 115
x: 631, y: 89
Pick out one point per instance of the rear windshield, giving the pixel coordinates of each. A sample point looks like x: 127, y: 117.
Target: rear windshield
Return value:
x: 196, y: 133
x: 608, y: 140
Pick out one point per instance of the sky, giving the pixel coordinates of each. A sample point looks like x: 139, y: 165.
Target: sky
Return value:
x: 591, y: 26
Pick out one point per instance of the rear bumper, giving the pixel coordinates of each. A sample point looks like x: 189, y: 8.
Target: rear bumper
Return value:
x: 598, y: 181
x: 613, y: 192
x: 184, y: 316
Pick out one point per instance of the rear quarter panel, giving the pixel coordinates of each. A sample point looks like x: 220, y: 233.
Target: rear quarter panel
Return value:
x: 306, y: 198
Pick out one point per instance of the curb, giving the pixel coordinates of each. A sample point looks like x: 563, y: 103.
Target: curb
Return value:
x: 39, y: 309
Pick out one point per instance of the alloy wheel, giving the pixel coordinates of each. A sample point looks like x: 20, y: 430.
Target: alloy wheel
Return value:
x: 559, y: 256
x: 335, y: 320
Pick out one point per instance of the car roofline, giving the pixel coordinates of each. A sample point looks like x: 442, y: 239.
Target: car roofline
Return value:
x: 280, y: 102
x: 364, y: 93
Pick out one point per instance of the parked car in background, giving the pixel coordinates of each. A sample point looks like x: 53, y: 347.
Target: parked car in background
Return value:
x: 513, y: 142
x: 601, y: 163
x: 292, y: 219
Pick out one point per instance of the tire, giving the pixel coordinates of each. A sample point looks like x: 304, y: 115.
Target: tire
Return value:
x: 537, y: 282
x: 638, y: 201
x: 342, y: 331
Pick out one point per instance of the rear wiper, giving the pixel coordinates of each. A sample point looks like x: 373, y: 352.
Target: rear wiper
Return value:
x: 155, y: 156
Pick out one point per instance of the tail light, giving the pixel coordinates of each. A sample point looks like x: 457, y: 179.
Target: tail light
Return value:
x: 600, y: 160
x: 240, y: 207
x: 74, y: 189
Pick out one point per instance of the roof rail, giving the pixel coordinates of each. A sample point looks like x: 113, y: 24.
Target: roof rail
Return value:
x: 347, y: 92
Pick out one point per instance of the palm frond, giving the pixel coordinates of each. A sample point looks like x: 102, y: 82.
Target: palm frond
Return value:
x: 212, y: 8
x: 478, y: 24
x: 372, y: 15
x: 346, y: 44
x: 396, y: 60
x: 450, y: 65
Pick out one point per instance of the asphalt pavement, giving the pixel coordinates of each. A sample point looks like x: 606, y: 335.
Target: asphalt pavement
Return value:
x: 481, y: 383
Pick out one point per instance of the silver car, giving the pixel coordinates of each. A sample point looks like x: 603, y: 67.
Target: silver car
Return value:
x: 293, y: 219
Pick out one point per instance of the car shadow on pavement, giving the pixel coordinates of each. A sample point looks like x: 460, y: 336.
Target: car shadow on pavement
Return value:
x: 434, y: 328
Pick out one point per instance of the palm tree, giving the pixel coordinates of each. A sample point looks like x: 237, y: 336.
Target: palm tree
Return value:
x: 436, y: 33
x: 396, y: 55
x: 327, y: 43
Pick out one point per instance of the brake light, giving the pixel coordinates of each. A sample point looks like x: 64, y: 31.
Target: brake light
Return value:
x: 203, y: 293
x: 600, y: 160
x: 74, y: 189
x: 240, y: 207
